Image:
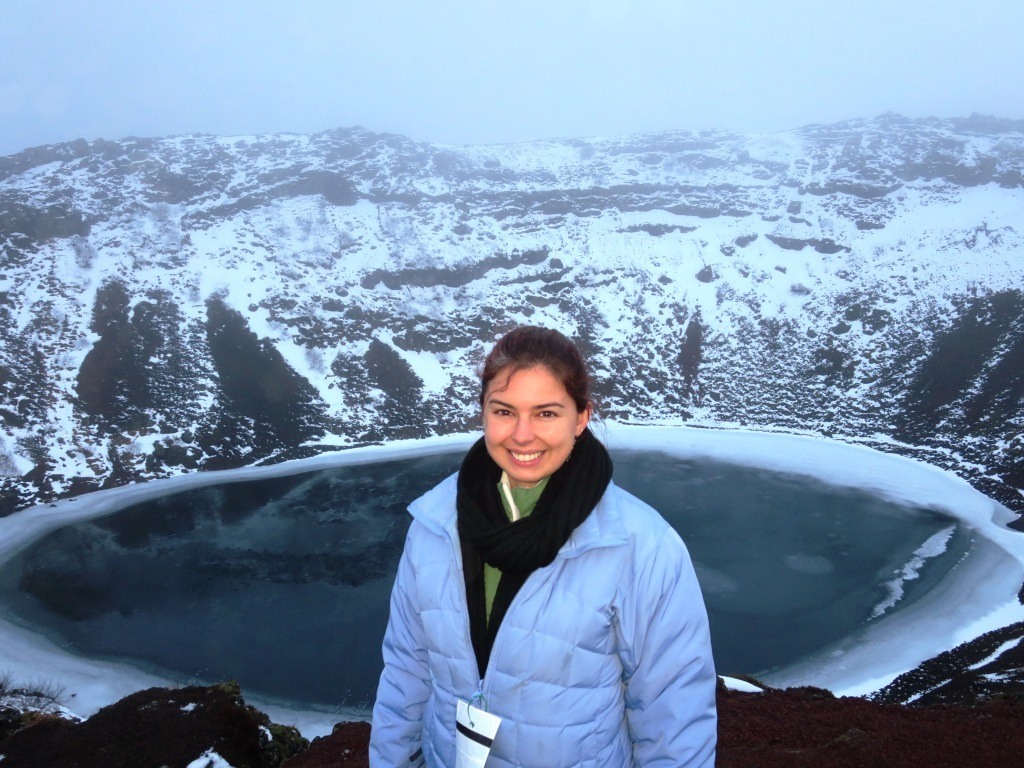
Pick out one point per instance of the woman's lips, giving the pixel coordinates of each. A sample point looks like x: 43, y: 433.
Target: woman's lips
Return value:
x: 525, y: 458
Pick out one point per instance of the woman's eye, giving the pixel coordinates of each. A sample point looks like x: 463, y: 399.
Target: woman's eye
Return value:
x: 548, y: 414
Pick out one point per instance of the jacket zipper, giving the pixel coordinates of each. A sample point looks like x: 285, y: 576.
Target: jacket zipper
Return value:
x: 498, y: 636
x: 478, y: 695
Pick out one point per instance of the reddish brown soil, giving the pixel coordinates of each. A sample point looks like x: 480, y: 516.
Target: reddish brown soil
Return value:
x: 345, y: 747
x: 775, y: 729
x: 807, y: 727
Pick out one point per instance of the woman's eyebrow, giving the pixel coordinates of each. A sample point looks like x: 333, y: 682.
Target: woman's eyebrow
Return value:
x: 541, y: 407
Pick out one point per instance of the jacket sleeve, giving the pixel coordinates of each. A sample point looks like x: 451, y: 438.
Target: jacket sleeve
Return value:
x: 665, y: 647
x: 396, y: 737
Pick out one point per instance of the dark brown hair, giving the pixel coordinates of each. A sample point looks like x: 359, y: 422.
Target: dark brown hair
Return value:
x: 529, y: 347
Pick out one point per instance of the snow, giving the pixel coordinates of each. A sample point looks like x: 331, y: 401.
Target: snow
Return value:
x: 943, y: 240
x: 996, y: 653
x: 735, y: 684
x: 980, y: 595
x: 209, y: 759
x: 424, y: 364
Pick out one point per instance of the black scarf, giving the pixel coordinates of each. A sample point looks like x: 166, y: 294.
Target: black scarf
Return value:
x: 518, y: 549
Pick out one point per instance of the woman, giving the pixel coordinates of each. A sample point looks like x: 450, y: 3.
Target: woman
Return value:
x: 534, y: 592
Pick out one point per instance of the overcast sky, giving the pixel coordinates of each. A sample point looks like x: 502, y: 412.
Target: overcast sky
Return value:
x: 485, y: 71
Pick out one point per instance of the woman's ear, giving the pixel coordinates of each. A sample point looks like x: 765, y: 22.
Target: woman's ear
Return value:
x: 583, y: 418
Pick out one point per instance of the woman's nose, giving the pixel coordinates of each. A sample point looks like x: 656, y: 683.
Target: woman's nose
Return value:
x: 523, y: 432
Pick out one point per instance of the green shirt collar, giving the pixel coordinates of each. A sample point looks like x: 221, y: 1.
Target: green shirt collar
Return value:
x: 525, y: 498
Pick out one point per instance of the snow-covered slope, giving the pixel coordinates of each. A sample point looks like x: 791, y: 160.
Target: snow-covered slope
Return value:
x: 168, y: 305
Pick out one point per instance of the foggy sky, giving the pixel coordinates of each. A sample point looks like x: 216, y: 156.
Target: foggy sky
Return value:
x: 487, y: 71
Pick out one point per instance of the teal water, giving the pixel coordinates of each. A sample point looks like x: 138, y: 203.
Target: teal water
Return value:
x: 282, y: 584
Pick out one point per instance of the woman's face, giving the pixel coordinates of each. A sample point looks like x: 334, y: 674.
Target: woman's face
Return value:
x: 530, y: 424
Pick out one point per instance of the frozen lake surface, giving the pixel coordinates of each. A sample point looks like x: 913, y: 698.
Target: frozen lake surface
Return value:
x: 807, y: 551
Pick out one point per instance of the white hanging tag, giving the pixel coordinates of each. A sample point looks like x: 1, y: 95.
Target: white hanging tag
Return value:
x: 474, y: 735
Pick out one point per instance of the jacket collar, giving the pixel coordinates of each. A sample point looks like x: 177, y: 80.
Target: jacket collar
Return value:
x: 603, y: 527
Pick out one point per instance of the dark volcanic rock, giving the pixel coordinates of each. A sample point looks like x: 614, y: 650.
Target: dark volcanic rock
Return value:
x: 773, y: 729
x: 257, y: 388
x: 154, y: 728
x: 988, y: 667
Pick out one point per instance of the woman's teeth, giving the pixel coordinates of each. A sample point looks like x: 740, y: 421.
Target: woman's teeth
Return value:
x: 524, y: 457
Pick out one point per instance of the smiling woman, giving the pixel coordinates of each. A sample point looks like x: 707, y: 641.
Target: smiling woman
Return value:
x: 536, y: 404
x: 587, y: 640
x: 530, y: 426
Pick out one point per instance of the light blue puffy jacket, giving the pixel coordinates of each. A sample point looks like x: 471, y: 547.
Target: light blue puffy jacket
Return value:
x: 603, y: 659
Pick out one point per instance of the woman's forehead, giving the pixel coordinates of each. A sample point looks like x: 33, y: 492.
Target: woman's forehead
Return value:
x: 527, y: 383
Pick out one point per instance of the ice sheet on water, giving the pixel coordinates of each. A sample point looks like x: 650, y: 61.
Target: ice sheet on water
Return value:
x: 814, y: 565
x: 983, y: 597
x: 933, y: 547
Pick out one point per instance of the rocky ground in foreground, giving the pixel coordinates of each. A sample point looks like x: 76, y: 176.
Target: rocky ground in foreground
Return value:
x: 208, y: 727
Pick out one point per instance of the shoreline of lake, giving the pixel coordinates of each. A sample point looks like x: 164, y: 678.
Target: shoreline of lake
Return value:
x: 859, y: 665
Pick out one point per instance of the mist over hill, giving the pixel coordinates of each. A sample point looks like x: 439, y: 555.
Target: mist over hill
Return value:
x: 199, y: 302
